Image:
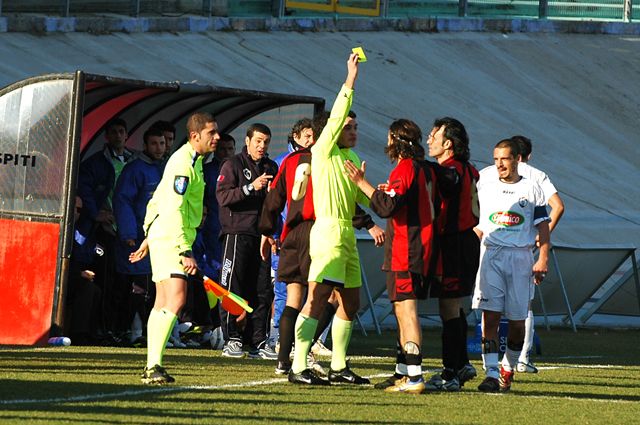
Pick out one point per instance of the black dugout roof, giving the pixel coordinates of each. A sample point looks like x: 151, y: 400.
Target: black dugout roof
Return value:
x: 140, y: 103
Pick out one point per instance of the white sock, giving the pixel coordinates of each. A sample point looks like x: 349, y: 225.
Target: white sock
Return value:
x: 402, y: 369
x: 413, y: 370
x: 491, y: 363
x: 528, y: 338
x: 510, y: 359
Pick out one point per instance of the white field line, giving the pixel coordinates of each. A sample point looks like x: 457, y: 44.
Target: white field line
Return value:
x: 585, y: 366
x: 173, y: 389
x: 576, y: 357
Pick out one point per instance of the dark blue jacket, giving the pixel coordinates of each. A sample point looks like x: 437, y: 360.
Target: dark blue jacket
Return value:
x: 207, y: 248
x: 95, y: 181
x: 134, y: 189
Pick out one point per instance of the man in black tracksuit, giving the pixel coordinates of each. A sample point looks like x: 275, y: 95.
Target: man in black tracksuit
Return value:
x: 241, y: 190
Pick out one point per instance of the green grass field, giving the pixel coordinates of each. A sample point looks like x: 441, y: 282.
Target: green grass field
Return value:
x: 592, y: 377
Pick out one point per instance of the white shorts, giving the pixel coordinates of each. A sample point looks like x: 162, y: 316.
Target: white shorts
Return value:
x: 504, y: 283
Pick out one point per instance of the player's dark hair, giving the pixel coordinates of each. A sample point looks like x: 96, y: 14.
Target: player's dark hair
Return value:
x: 319, y: 121
x: 509, y: 143
x: 119, y: 122
x: 300, y: 125
x: 164, y: 126
x: 260, y: 128
x: 296, y: 130
x: 405, y: 136
x: 152, y: 131
x: 198, y: 121
x: 352, y: 114
x: 455, y: 131
x: 419, y: 152
x: 524, y: 146
x: 226, y: 137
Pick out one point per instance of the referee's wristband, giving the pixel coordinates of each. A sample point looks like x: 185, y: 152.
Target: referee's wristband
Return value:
x: 186, y: 254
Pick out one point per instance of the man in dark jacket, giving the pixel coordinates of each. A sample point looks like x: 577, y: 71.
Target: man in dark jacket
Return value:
x: 96, y: 181
x: 134, y: 189
x: 241, y: 190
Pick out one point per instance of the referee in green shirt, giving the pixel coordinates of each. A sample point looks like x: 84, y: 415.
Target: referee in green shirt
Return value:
x: 173, y: 214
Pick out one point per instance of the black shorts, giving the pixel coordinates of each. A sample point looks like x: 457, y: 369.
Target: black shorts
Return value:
x: 405, y: 286
x: 294, y: 255
x: 460, y: 256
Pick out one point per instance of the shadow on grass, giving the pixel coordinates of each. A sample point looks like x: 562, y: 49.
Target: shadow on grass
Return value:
x: 577, y: 395
x: 116, y: 404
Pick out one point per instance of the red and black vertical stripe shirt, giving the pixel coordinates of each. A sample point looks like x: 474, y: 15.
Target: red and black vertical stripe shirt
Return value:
x: 459, y: 210
x: 409, y: 206
x: 279, y: 196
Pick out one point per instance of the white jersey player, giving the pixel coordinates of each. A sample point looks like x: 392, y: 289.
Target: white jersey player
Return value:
x: 553, y: 199
x: 512, y: 211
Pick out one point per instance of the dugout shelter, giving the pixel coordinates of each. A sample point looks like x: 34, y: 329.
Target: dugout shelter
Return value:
x: 47, y: 125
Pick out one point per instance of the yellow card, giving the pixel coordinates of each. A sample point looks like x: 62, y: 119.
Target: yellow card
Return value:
x: 360, y: 52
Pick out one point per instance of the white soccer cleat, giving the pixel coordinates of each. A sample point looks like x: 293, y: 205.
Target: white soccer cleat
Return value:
x: 319, y: 349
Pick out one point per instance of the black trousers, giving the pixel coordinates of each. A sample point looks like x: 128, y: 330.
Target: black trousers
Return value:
x: 245, y: 274
x: 142, y: 296
x: 196, y: 309
x: 84, y: 299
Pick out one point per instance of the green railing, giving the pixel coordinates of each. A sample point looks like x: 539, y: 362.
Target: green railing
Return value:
x: 608, y: 10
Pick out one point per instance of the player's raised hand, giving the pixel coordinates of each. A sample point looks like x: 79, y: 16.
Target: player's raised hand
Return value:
x: 352, y: 70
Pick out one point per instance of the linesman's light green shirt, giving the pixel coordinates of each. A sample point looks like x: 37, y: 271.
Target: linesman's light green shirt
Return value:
x: 175, y: 210
x: 334, y: 195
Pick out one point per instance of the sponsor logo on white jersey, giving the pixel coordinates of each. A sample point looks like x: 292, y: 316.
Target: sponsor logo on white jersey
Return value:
x: 507, y: 218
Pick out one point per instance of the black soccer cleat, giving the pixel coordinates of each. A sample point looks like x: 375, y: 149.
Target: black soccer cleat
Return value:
x: 489, y: 385
x: 283, y: 368
x: 306, y: 377
x: 347, y: 376
x: 156, y: 375
x: 389, y: 382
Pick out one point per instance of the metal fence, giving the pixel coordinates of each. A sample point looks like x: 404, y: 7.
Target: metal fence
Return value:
x: 608, y: 10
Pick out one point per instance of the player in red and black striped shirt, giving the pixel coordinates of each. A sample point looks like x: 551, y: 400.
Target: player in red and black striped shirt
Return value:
x: 459, y: 251
x: 408, y: 201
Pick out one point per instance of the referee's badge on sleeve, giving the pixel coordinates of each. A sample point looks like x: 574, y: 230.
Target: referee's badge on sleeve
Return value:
x: 180, y: 184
